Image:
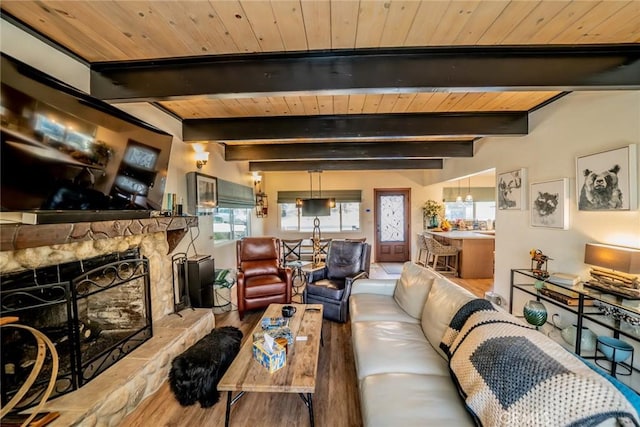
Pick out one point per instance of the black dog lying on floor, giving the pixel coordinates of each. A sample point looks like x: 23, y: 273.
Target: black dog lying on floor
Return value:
x: 194, y: 374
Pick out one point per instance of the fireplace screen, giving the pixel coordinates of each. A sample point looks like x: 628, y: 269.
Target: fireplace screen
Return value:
x: 95, y: 311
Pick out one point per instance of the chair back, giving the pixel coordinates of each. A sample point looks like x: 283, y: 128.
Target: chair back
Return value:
x: 422, y: 241
x: 347, y: 259
x: 258, y: 255
x: 324, y: 247
x: 291, y: 250
x: 438, y: 248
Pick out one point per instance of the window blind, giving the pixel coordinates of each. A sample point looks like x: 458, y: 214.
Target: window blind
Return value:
x: 232, y: 195
x: 341, y: 196
x: 480, y: 194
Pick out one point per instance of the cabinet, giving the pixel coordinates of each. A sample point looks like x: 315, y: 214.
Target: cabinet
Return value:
x: 605, y: 313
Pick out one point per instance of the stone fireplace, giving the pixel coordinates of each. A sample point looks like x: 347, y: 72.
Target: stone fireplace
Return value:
x: 25, y: 249
x: 95, y: 311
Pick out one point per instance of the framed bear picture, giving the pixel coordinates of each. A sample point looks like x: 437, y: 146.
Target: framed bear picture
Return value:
x: 607, y: 181
x: 550, y: 204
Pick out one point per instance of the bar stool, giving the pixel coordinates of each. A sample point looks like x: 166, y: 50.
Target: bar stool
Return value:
x: 422, y: 250
x: 450, y: 254
x: 615, y: 351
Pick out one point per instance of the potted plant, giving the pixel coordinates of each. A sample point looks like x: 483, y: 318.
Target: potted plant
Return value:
x: 431, y: 211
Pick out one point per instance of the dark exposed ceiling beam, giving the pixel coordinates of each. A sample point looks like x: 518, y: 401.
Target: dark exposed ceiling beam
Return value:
x: 482, y: 68
x: 342, y: 165
x: 355, y: 126
x: 349, y: 150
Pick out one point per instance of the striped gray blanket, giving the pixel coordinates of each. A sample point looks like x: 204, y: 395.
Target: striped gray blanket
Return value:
x: 512, y: 375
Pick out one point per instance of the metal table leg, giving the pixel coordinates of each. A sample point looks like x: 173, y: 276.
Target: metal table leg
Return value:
x: 230, y: 401
x: 308, y: 400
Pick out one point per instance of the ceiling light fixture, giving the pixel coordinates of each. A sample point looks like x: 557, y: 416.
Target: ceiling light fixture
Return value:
x: 316, y: 206
x: 459, y: 198
x: 469, y: 197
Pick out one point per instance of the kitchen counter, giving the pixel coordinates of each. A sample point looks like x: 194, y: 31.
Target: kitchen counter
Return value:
x: 475, y: 259
x: 467, y: 234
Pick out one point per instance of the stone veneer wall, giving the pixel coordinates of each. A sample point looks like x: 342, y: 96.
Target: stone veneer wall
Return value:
x: 154, y: 246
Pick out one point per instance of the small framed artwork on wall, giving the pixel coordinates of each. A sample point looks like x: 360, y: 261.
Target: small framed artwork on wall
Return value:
x: 550, y: 204
x: 511, y: 190
x: 202, y: 193
x: 608, y: 180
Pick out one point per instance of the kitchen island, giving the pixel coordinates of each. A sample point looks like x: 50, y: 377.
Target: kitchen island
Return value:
x: 475, y: 258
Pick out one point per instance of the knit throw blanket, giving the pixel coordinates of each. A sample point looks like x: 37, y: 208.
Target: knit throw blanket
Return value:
x: 511, y: 375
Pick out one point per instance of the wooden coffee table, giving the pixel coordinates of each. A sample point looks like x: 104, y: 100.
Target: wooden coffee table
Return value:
x: 297, y: 376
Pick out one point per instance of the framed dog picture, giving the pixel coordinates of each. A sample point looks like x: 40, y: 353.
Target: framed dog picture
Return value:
x: 511, y: 190
x: 607, y: 181
x: 550, y: 204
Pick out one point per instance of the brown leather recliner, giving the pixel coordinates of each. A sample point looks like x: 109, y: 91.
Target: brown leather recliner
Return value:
x: 261, y: 279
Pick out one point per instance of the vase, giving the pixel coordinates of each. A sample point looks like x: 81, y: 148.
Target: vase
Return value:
x: 587, y: 338
x: 535, y: 313
x: 433, y: 221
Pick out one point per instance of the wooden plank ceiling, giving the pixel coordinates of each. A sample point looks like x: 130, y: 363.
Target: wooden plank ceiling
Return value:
x: 185, y: 40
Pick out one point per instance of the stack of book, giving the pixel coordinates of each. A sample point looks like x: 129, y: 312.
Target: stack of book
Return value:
x: 563, y: 295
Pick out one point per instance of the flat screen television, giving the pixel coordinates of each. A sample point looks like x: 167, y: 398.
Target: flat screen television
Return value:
x: 316, y: 207
x: 68, y: 157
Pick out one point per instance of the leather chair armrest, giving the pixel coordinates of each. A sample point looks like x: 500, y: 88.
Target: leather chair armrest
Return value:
x: 240, y: 281
x: 361, y: 275
x: 317, y: 275
x: 285, y: 273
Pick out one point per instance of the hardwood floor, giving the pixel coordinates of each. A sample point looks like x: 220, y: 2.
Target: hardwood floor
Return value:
x: 336, y: 401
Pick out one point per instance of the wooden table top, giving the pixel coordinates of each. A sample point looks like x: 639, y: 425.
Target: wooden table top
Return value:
x: 299, y: 373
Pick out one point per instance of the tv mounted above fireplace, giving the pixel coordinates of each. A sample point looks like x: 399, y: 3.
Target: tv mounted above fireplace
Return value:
x: 67, y: 157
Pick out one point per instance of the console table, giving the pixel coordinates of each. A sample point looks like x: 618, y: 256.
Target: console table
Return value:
x: 523, y: 280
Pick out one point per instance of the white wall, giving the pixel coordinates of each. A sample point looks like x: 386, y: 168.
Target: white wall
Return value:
x: 578, y: 124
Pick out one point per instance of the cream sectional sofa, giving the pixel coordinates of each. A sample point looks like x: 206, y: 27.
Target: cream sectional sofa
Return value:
x: 403, y: 379
x: 397, y: 328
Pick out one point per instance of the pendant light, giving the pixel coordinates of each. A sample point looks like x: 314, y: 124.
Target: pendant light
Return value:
x: 469, y: 197
x: 459, y: 198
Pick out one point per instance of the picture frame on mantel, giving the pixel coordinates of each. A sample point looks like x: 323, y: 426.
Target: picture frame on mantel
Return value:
x: 511, y: 188
x: 550, y: 204
x: 608, y: 180
x: 202, y: 193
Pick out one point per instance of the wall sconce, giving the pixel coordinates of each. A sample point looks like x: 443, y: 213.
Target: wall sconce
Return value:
x: 262, y: 208
x: 201, y: 158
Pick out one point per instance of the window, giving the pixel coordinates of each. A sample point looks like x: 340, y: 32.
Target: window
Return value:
x: 470, y: 211
x: 344, y: 217
x: 230, y: 224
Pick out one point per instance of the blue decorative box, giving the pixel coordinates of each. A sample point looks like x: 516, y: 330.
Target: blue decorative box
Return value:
x: 272, y: 361
x: 269, y: 323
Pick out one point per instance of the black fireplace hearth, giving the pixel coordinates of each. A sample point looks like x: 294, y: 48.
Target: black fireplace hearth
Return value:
x: 95, y: 311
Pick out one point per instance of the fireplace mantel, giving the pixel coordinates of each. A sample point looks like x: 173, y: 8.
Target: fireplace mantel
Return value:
x: 23, y: 236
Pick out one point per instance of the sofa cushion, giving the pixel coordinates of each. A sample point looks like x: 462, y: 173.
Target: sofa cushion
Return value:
x: 369, y: 307
x: 443, y: 302
x: 412, y: 288
x: 388, y: 347
x: 374, y: 286
x: 411, y: 400
x: 332, y: 289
